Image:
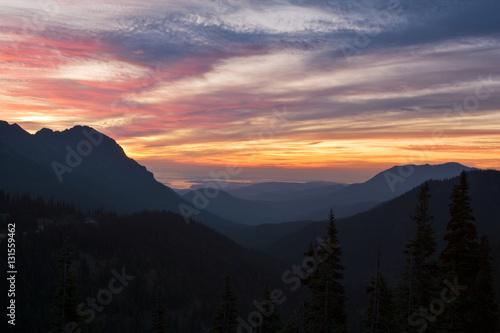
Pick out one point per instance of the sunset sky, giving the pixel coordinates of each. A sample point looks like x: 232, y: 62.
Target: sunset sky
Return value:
x: 288, y: 90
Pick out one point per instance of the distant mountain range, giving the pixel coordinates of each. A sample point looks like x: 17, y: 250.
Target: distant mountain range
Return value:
x: 277, y: 202
x: 85, y: 166
x: 283, y: 191
x: 272, y: 191
x: 390, y: 221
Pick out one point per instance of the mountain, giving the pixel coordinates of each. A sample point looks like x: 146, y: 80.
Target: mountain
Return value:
x: 85, y: 166
x: 389, y: 225
x: 256, y: 212
x: 309, y: 201
x: 242, y: 211
x: 281, y: 191
x: 264, y: 235
x: 395, y: 181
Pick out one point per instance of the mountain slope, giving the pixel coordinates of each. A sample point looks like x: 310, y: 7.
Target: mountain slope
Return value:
x: 157, y: 248
x: 389, y: 224
x: 263, y: 235
x: 256, y: 212
x: 395, y: 181
x: 391, y: 220
x: 281, y: 191
x: 85, y: 166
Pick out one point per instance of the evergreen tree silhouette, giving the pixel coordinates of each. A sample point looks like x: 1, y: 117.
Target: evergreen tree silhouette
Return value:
x: 271, y: 323
x: 419, y: 285
x: 380, y: 312
x: 486, y: 308
x: 158, y: 317
x: 326, y: 310
x: 226, y: 312
x: 460, y: 262
x: 65, y: 300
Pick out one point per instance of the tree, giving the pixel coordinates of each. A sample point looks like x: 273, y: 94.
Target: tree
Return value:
x: 295, y: 325
x: 158, y: 317
x: 460, y: 261
x: 226, y: 312
x: 65, y: 299
x: 486, y: 308
x: 271, y: 323
x: 418, y: 287
x: 380, y: 312
x: 326, y: 310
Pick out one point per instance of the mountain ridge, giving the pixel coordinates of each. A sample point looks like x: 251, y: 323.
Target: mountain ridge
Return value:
x: 85, y: 166
x: 311, y: 203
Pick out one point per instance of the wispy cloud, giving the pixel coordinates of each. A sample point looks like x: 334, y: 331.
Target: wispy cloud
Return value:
x: 192, y: 81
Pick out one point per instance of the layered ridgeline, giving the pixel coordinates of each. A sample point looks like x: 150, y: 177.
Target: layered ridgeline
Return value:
x: 266, y: 203
x: 389, y: 226
x: 84, y: 166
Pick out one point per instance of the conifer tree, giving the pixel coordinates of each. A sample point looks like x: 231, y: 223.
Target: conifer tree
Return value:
x: 296, y: 324
x: 226, y: 312
x: 460, y: 261
x: 65, y: 300
x: 271, y: 323
x: 158, y: 317
x: 326, y: 310
x: 379, y: 316
x: 418, y: 287
x: 486, y: 308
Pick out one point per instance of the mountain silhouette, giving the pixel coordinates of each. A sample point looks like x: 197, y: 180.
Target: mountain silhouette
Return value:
x: 84, y: 166
x: 254, y: 204
x: 87, y: 167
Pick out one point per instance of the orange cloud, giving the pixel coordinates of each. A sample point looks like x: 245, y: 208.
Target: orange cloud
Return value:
x: 211, y: 105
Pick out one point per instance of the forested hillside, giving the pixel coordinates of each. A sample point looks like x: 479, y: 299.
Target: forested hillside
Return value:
x: 187, y: 261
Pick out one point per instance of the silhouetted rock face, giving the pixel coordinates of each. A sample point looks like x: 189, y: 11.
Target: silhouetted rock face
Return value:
x: 44, y: 132
x: 10, y: 133
x: 5, y: 126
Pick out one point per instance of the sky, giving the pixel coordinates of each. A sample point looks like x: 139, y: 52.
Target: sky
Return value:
x: 282, y: 90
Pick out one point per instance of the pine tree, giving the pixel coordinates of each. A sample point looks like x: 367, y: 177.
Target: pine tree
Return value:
x: 271, y: 323
x: 460, y: 261
x: 418, y: 287
x: 65, y: 300
x: 296, y: 324
x: 158, y: 317
x: 379, y: 316
x: 326, y: 311
x: 226, y: 312
x: 486, y: 308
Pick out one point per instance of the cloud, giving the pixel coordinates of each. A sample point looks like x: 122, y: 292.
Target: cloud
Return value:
x: 197, y: 81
